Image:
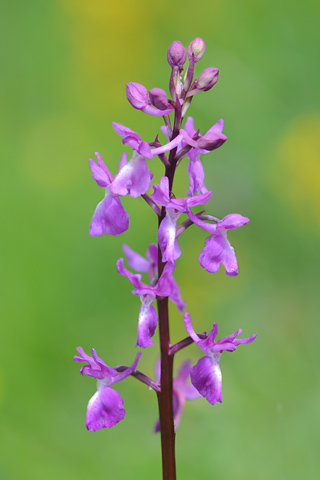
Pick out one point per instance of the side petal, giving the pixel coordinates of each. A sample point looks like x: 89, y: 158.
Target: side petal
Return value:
x: 100, y: 172
x: 234, y: 220
x: 196, y: 174
x: 135, y: 261
x: 206, y: 378
x: 105, y: 409
x: 176, y: 295
x: 109, y: 217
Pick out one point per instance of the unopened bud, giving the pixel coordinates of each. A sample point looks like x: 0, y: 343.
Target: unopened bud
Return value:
x: 176, y: 55
x: 212, y: 140
x: 196, y: 47
x: 158, y: 98
x: 207, y: 79
x: 137, y: 95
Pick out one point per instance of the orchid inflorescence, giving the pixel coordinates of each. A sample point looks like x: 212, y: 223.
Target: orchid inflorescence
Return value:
x: 105, y: 409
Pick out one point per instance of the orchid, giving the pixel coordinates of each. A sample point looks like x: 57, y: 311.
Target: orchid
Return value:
x: 105, y: 408
x: 217, y: 248
x: 206, y: 374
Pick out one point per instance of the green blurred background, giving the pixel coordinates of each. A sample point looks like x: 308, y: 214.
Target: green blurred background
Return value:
x: 64, y: 69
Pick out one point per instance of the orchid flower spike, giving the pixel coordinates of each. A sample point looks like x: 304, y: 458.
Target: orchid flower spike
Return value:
x: 105, y: 408
x: 206, y: 374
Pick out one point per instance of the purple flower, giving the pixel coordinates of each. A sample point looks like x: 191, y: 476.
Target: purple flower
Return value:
x: 150, y: 265
x: 109, y: 217
x: 217, y: 248
x: 206, y: 374
x: 182, y: 390
x: 174, y: 207
x: 148, y: 317
x: 105, y: 408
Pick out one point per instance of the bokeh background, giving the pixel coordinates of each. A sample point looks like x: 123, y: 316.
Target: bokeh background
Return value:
x: 64, y: 66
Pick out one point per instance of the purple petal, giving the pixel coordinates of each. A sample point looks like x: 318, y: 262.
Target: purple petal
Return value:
x: 122, y: 130
x: 134, y: 178
x: 217, y: 127
x: 133, y: 139
x: 105, y: 409
x: 176, y: 295
x: 218, y: 250
x: 167, y: 236
x: 161, y: 192
x: 134, y: 278
x: 128, y: 370
x: 123, y: 161
x: 100, y: 172
x: 206, y: 378
x: 109, y: 217
x: 182, y: 384
x: 147, y: 323
x: 86, y: 370
x: 156, y: 111
x: 196, y: 174
x: 137, y: 95
x: 234, y: 220
x: 169, y: 146
x: 135, y: 261
x: 189, y: 127
x: 152, y: 254
x: 190, y: 330
x: 239, y: 341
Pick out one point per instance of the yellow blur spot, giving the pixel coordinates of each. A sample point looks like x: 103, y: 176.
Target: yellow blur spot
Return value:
x: 297, y: 168
x: 111, y: 41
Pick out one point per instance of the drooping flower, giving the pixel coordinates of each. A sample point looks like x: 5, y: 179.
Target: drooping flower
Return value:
x: 174, y: 207
x: 133, y: 178
x: 182, y: 390
x: 206, y: 374
x: 150, y: 265
x: 109, y: 217
x: 217, y: 248
x: 148, y: 317
x: 105, y: 408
